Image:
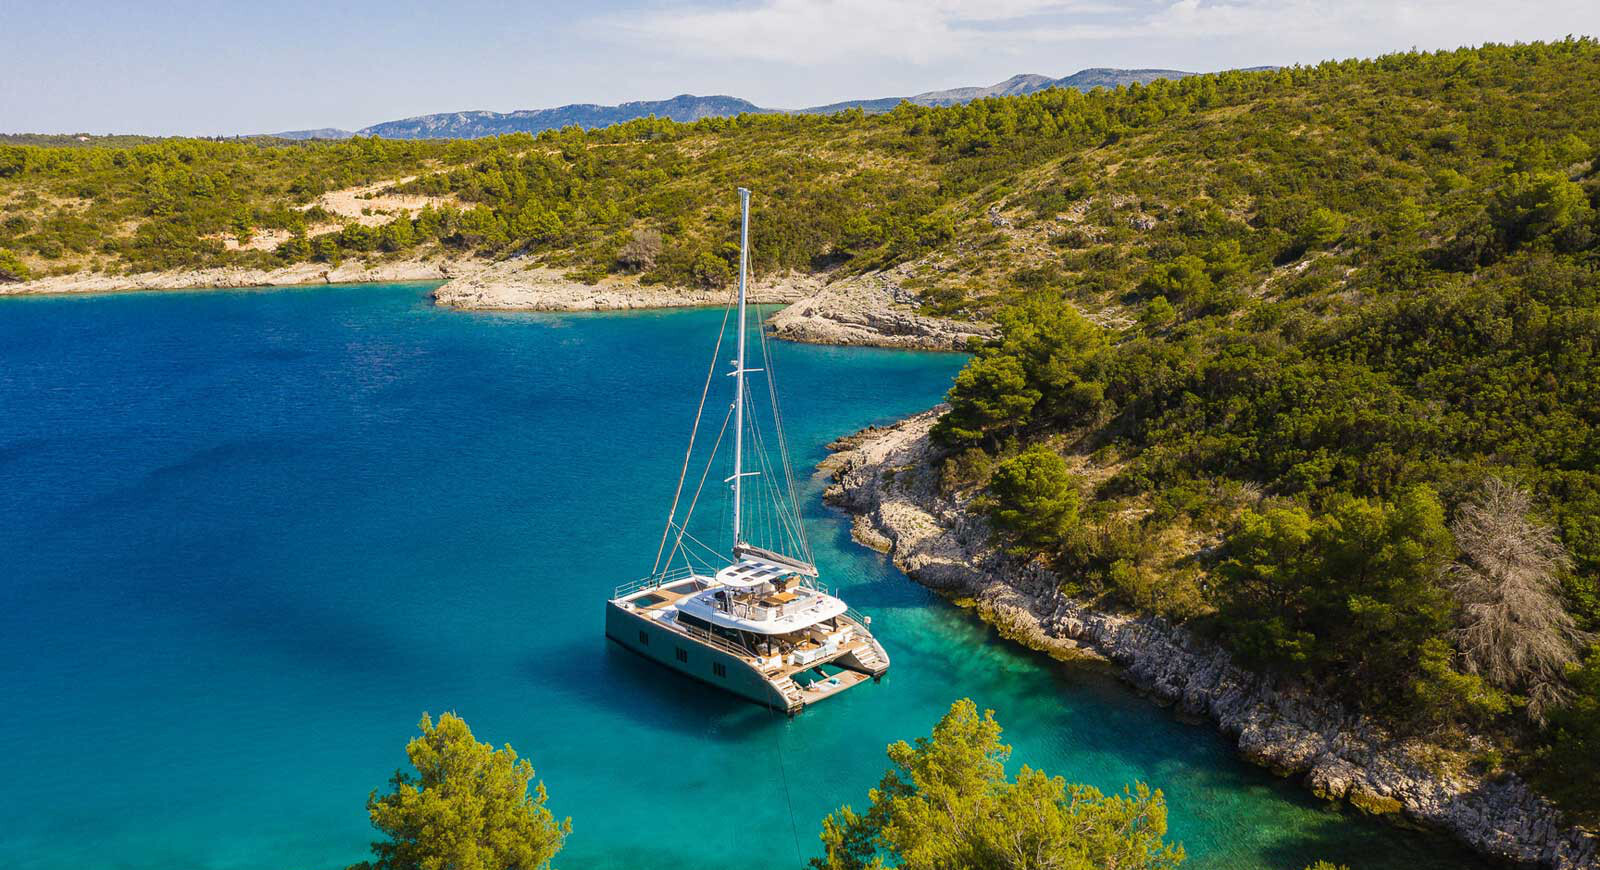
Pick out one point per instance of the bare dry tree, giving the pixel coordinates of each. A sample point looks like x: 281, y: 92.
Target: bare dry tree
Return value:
x: 1515, y: 631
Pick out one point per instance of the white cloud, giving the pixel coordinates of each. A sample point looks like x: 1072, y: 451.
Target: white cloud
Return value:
x: 866, y: 33
x: 806, y: 32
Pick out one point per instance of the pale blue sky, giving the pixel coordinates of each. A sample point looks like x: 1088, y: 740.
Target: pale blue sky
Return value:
x: 224, y: 68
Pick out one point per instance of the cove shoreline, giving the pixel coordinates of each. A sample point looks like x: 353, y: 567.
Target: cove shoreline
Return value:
x: 938, y: 543
x: 886, y: 479
x: 870, y: 309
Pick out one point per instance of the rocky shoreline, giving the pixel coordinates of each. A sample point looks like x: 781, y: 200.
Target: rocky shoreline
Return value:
x: 512, y: 285
x: 858, y: 310
x: 886, y: 479
x: 234, y: 277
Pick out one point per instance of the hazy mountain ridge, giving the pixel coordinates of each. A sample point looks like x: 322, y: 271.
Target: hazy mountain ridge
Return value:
x: 318, y: 133
x: 472, y: 125
x: 1014, y: 86
x: 1017, y: 85
x: 689, y: 107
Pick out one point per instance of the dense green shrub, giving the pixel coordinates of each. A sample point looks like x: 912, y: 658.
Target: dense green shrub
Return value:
x: 1530, y: 206
x: 1035, y: 499
x: 1354, y: 591
x: 1569, y: 764
x: 991, y: 397
x: 947, y: 802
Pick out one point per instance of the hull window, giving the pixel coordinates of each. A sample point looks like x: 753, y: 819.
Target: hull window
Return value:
x: 683, y: 654
x: 719, y: 669
x: 644, y: 639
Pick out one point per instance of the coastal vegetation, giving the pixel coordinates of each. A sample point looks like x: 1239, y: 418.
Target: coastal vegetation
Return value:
x: 12, y: 268
x: 1328, y: 393
x: 948, y: 802
x: 987, y: 199
x: 1305, y: 358
x: 466, y: 807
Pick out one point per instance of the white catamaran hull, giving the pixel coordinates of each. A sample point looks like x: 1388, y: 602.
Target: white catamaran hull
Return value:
x: 705, y: 663
x: 862, y: 660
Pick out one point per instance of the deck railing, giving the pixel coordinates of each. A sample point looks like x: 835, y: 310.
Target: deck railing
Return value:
x: 816, y: 584
x: 665, y: 578
x: 714, y: 639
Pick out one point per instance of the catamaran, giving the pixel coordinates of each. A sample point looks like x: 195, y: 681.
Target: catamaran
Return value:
x: 754, y: 619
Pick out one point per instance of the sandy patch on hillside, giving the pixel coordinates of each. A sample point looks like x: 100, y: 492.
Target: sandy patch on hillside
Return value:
x: 370, y: 206
x: 269, y: 240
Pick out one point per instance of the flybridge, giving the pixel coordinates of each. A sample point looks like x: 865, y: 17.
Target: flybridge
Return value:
x: 748, y: 573
x: 799, y: 567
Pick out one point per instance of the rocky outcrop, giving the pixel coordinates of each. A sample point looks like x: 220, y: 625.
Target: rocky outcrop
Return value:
x: 349, y: 272
x: 516, y: 285
x: 872, y: 309
x: 859, y: 310
x: 886, y: 477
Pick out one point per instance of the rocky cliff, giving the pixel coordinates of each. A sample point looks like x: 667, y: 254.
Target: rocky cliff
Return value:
x: 887, y: 478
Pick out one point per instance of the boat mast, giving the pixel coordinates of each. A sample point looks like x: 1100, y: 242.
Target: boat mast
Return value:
x: 738, y: 372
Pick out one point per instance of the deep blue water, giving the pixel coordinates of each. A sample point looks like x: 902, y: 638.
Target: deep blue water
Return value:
x: 247, y: 538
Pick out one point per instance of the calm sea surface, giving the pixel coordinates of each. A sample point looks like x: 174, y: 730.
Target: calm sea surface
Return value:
x: 248, y: 538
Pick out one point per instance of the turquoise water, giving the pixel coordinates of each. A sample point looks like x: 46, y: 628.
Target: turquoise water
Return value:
x: 249, y: 537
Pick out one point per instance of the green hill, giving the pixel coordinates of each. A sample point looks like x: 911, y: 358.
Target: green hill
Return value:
x: 1270, y: 338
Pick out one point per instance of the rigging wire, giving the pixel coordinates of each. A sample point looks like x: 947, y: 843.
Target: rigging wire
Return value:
x: 782, y: 524
x: 783, y: 443
x: 758, y: 441
x: 784, y: 504
x: 693, y: 430
x: 700, y: 487
x: 712, y: 553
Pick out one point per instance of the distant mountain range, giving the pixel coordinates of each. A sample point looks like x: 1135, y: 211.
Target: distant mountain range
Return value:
x: 471, y: 125
x: 687, y: 107
x: 1083, y: 80
x: 319, y: 133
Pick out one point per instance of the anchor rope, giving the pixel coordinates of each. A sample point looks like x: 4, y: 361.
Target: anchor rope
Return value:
x: 783, y: 773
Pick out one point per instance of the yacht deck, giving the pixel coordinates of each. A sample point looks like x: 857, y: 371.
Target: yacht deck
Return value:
x: 820, y: 689
x: 657, y: 602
